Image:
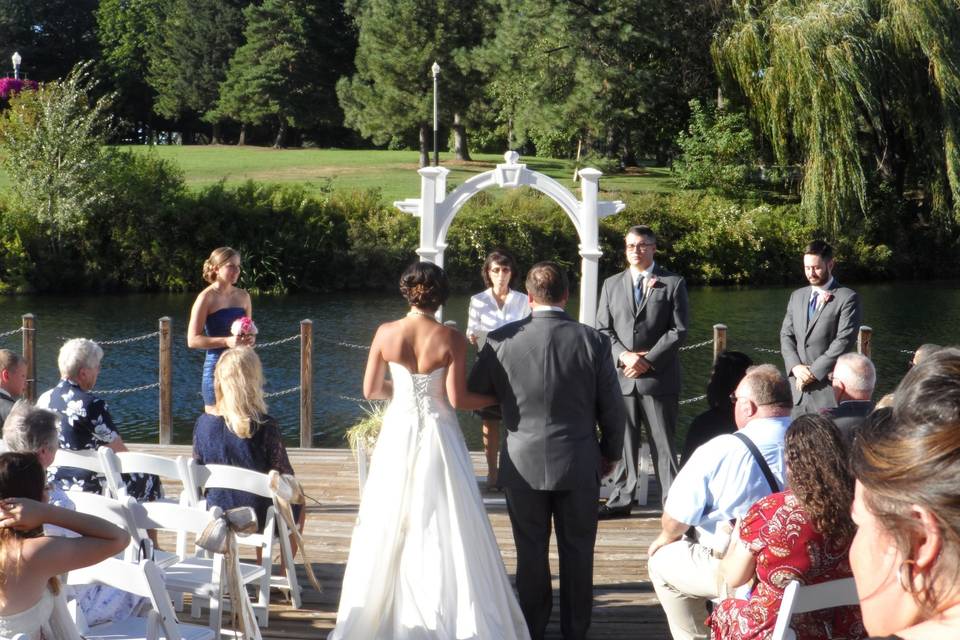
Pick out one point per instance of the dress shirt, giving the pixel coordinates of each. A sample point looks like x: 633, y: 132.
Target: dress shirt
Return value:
x: 721, y: 480
x: 819, y: 291
x: 484, y: 315
x: 637, y: 274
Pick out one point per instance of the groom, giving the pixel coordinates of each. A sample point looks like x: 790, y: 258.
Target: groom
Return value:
x: 555, y: 381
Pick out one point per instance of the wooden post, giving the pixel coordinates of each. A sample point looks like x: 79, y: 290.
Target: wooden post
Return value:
x: 166, y: 381
x: 719, y: 340
x: 29, y: 335
x: 306, y: 383
x: 865, y: 340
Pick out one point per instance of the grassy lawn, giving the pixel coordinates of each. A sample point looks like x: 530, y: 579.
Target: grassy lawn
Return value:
x: 393, y: 172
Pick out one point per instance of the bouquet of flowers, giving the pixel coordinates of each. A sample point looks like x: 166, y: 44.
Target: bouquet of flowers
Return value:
x: 243, y: 327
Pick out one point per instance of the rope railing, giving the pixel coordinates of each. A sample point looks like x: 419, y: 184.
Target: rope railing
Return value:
x: 276, y: 342
x: 11, y: 332
x: 275, y: 394
x: 102, y: 392
x: 705, y: 343
x: 145, y: 336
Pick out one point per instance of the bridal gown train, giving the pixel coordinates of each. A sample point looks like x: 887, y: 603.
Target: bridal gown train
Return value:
x: 424, y: 562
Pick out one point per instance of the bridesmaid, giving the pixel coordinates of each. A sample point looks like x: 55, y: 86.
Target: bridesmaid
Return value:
x: 214, y: 311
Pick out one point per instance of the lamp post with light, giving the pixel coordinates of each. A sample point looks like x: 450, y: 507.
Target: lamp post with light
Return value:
x: 436, y: 74
x: 16, y: 59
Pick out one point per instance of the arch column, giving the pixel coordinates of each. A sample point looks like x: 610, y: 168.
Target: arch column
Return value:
x: 589, y: 244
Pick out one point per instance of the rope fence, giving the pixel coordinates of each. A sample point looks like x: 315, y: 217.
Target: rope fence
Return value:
x: 305, y: 388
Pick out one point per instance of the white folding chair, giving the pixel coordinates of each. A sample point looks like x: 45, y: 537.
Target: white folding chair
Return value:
x: 798, y: 598
x: 220, y: 476
x: 202, y: 577
x: 86, y: 459
x: 146, y: 580
x: 115, y: 464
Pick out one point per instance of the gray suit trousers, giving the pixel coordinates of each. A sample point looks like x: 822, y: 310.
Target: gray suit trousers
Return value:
x: 659, y: 415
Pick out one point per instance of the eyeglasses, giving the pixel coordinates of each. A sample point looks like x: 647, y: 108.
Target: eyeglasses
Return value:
x: 640, y: 246
x: 500, y: 269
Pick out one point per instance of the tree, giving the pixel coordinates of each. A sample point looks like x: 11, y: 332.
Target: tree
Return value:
x: 51, y: 148
x: 861, y: 92
x: 390, y: 95
x: 615, y: 75
x: 52, y: 36
x: 127, y: 30
x: 287, y: 69
x: 197, y: 40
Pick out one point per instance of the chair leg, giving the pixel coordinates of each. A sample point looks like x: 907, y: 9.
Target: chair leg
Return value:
x: 286, y: 552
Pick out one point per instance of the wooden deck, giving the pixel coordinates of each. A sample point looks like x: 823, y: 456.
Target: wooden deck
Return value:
x: 624, y: 603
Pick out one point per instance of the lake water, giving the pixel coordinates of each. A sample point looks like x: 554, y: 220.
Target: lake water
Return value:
x: 902, y: 315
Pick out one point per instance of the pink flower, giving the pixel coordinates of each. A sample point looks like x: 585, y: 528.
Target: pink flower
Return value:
x: 243, y: 327
x: 826, y: 297
x: 651, y: 282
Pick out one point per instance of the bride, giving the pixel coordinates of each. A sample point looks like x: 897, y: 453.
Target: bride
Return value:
x: 424, y: 562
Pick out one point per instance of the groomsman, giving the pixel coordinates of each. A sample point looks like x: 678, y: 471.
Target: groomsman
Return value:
x: 556, y: 384
x: 644, y: 312
x: 820, y: 325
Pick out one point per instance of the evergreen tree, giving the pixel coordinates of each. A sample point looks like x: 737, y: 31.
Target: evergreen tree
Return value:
x: 294, y: 52
x: 51, y: 36
x: 127, y: 29
x: 197, y: 40
x: 390, y: 95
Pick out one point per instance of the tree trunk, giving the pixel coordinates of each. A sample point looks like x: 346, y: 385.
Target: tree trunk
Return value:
x: 243, y: 135
x: 460, y: 148
x: 424, y: 145
x: 281, y: 133
x: 215, y: 134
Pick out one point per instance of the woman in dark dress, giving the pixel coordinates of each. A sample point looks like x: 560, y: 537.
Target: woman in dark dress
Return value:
x: 240, y: 433
x: 728, y: 371
x: 213, y: 313
x: 85, y: 422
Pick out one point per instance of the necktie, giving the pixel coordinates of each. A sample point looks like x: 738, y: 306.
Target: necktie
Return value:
x: 638, y: 292
x: 812, y: 307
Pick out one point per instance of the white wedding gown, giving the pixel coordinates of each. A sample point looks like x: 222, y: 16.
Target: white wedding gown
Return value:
x: 424, y: 563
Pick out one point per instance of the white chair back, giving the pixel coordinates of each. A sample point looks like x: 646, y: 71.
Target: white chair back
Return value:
x: 221, y: 476
x: 115, y: 464
x: 116, y: 512
x: 146, y: 580
x: 86, y: 459
x: 799, y: 598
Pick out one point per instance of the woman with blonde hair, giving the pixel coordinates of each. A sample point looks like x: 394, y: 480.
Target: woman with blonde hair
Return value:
x: 213, y: 313
x: 31, y: 561
x: 239, y: 432
x: 905, y: 555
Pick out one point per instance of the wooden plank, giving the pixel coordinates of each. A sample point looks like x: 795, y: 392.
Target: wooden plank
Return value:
x: 624, y: 602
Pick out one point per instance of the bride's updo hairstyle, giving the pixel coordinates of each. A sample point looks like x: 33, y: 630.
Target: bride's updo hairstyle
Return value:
x: 425, y: 285
x: 216, y: 260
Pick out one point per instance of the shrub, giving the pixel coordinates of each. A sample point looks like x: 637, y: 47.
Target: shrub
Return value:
x: 717, y: 150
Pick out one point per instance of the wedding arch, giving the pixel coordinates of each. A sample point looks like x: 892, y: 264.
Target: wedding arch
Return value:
x: 436, y: 210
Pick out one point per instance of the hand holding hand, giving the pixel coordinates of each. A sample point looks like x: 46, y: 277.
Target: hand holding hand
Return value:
x: 628, y: 359
x: 803, y: 375
x: 22, y: 514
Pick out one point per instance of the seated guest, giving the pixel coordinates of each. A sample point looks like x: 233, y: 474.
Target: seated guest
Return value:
x: 85, y: 422
x: 31, y: 561
x: 727, y: 372
x: 13, y: 381
x: 31, y: 430
x: 923, y: 352
x: 905, y: 555
x: 240, y: 433
x: 800, y: 534
x: 854, y: 378
x: 722, y: 479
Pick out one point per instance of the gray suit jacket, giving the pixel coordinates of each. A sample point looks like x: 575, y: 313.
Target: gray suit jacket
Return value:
x: 831, y: 332
x: 658, y: 326
x: 555, y: 381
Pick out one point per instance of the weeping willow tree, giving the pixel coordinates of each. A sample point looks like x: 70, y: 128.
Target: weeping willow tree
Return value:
x: 861, y: 92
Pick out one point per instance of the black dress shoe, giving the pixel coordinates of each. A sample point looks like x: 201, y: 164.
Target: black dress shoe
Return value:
x: 607, y: 512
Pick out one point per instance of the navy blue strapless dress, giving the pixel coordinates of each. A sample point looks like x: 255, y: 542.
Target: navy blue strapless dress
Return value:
x: 217, y: 325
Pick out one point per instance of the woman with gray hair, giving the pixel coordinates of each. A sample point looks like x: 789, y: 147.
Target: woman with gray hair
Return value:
x: 85, y: 422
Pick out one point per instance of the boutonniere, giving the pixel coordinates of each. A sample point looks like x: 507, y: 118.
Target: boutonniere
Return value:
x: 651, y: 282
x: 826, y: 297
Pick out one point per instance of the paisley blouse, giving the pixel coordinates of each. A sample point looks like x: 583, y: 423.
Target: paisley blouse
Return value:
x: 787, y: 547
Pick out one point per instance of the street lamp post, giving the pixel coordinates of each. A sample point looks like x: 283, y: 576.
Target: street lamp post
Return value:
x: 15, y: 58
x: 436, y: 152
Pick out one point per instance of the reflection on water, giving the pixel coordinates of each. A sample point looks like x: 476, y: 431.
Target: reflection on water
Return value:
x: 902, y: 315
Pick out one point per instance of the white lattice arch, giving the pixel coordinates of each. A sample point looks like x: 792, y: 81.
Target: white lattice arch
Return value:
x: 436, y: 211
